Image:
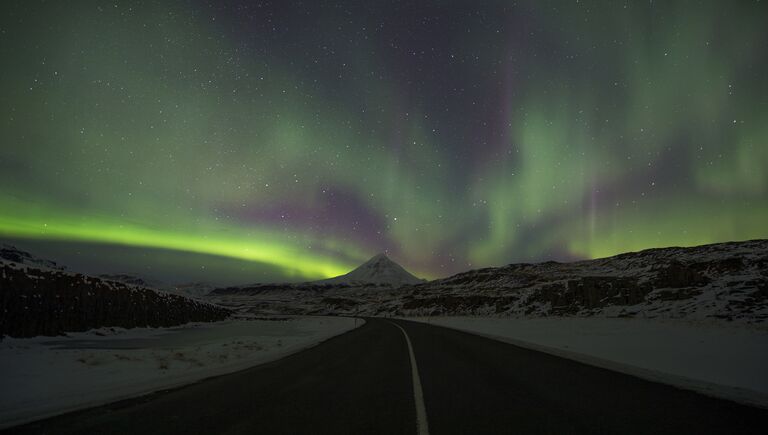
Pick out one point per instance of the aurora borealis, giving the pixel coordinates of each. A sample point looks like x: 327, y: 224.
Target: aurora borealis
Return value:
x: 304, y: 137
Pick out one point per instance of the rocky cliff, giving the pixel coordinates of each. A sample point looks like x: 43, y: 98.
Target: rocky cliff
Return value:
x: 38, y: 301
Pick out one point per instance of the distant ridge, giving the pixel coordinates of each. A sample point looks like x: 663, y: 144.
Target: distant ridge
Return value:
x: 15, y: 255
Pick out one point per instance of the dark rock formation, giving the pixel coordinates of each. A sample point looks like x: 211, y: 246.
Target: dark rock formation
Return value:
x: 677, y: 275
x: 50, y: 302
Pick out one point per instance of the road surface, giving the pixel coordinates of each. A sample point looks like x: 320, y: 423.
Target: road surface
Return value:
x: 362, y: 382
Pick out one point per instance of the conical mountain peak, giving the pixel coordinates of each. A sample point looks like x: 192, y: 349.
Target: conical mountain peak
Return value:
x: 379, y: 269
x: 379, y: 258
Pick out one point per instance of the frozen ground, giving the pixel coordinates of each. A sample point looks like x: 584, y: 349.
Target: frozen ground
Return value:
x: 44, y: 376
x: 717, y: 359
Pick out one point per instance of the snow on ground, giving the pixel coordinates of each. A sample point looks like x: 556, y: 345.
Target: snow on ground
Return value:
x: 716, y: 359
x: 44, y: 376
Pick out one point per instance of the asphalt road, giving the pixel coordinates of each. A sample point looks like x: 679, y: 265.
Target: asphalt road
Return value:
x: 361, y: 382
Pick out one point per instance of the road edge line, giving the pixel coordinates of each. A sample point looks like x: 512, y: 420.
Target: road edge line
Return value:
x: 422, y: 426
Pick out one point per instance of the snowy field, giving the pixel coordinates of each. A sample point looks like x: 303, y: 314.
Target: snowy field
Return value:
x: 728, y: 361
x: 44, y: 376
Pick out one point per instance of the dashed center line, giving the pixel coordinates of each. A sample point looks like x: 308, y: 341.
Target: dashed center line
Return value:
x: 422, y: 427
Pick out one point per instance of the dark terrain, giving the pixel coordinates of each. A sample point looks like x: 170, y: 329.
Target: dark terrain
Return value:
x: 50, y: 302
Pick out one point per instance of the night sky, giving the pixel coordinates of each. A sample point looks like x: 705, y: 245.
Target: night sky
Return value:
x: 285, y: 140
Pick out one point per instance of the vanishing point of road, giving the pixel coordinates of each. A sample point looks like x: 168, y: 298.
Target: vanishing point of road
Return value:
x: 364, y: 382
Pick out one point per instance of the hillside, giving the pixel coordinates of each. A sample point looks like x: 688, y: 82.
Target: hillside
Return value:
x: 726, y: 281
x: 45, y: 301
x: 12, y: 254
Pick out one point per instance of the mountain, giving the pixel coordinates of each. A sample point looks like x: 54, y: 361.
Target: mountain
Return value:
x: 126, y: 278
x: 14, y: 255
x: 717, y: 282
x: 190, y: 289
x: 187, y: 289
x: 379, y: 270
x: 726, y: 281
x: 38, y: 297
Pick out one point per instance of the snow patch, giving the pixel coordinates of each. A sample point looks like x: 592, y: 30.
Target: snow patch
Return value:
x: 46, y: 376
x: 726, y: 361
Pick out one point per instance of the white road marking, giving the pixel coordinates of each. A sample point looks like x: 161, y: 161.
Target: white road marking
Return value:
x: 422, y: 427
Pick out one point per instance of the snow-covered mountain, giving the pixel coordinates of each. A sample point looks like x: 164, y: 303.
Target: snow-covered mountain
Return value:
x: 127, y: 278
x: 190, y: 289
x: 14, y: 255
x: 724, y: 281
x: 379, y: 270
x: 378, y: 273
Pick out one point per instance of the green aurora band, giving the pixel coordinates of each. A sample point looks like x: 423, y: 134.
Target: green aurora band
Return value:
x: 612, y: 127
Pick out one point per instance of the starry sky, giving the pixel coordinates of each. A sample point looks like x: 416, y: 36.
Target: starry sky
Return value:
x: 237, y: 141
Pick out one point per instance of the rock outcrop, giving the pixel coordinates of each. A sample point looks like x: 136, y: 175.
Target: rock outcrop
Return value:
x: 50, y: 302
